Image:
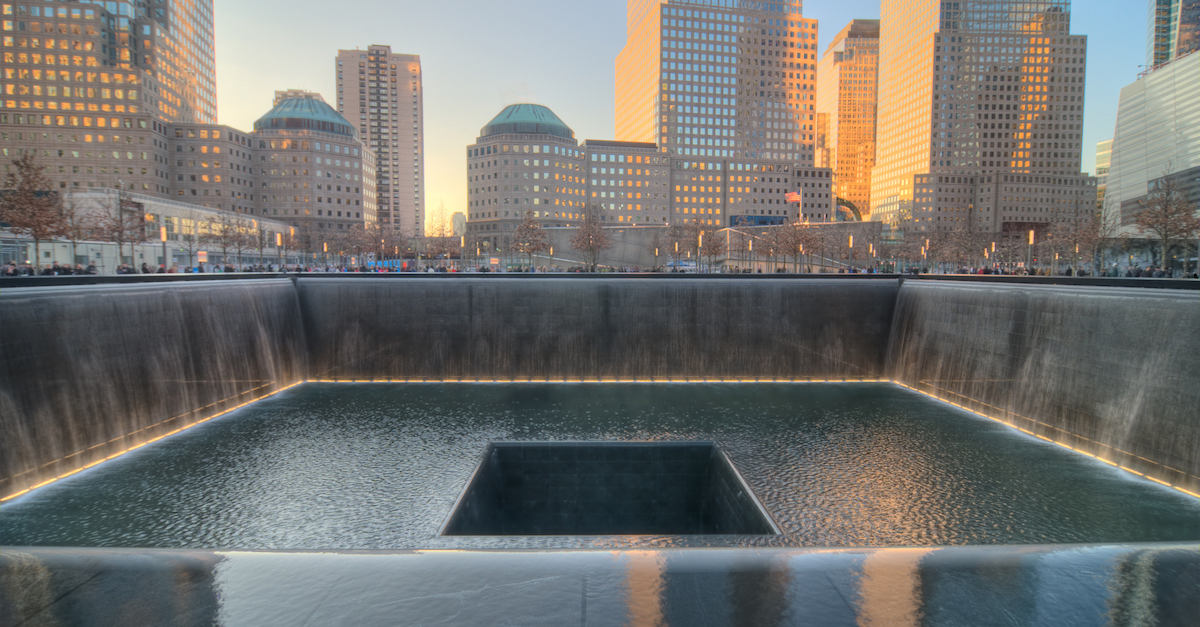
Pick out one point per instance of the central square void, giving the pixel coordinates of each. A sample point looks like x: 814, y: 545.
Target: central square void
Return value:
x: 606, y: 488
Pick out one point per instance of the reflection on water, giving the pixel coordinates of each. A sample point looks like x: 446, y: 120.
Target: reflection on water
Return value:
x: 890, y: 588
x: 380, y: 466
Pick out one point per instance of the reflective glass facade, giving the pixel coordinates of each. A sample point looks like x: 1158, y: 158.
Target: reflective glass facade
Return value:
x: 110, y: 57
x: 846, y: 92
x: 977, y: 91
x: 1174, y: 29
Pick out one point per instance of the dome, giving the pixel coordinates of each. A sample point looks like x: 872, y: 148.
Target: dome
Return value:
x: 527, y: 118
x: 305, y: 112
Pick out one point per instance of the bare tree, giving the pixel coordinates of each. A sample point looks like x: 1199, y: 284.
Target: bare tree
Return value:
x: 1166, y: 214
x: 439, y: 236
x: 709, y: 244
x: 122, y: 221
x: 657, y: 245
x: 29, y: 205
x: 590, y: 238
x: 79, y: 224
x: 739, y: 244
x: 530, y: 238
x: 223, y: 233
x: 681, y: 236
x: 242, y: 238
x: 190, y: 234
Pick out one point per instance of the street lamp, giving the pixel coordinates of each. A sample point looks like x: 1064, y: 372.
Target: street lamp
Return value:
x: 1029, y: 254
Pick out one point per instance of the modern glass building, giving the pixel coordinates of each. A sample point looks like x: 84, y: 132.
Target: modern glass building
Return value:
x: 1103, y: 161
x: 381, y: 93
x: 97, y: 87
x: 980, y: 116
x: 847, y: 78
x: 1157, y: 137
x: 1174, y: 29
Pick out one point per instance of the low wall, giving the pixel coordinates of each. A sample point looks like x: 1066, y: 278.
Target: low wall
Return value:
x: 1113, y: 372
x: 555, y: 328
x: 88, y: 371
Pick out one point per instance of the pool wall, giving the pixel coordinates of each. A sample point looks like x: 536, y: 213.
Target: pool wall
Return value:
x: 560, y: 328
x: 88, y: 371
x: 1109, y: 371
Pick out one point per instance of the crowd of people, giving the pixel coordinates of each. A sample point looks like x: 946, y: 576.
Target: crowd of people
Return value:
x: 13, y: 269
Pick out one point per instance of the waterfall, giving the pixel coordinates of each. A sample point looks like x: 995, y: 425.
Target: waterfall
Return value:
x: 1109, y: 371
x: 88, y: 371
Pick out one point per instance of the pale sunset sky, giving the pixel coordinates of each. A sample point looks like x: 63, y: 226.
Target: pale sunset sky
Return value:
x: 479, y: 56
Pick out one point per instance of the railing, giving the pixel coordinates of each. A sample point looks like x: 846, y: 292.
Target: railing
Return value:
x: 50, y: 281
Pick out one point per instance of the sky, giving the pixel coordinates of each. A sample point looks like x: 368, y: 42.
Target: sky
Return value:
x: 478, y: 56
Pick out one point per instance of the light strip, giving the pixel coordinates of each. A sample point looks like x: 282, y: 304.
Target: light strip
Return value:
x: 1064, y: 445
x: 605, y: 381
x: 137, y: 446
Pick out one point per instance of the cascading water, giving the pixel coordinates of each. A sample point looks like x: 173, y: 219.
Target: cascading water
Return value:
x: 1109, y: 371
x: 88, y: 371
x: 609, y: 328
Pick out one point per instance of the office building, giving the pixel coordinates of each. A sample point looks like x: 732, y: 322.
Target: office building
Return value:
x: 1103, y: 161
x: 527, y: 160
x: 303, y: 163
x: 380, y: 93
x: 980, y: 116
x: 67, y: 63
x: 1156, y: 139
x: 312, y: 168
x: 1174, y: 30
x: 846, y: 84
x: 728, y: 92
x: 94, y: 87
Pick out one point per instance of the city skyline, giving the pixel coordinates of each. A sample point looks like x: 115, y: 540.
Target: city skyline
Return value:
x: 462, y: 96
x: 583, y: 91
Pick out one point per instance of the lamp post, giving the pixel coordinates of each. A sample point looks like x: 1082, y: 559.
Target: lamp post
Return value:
x: 162, y: 232
x: 1029, y: 254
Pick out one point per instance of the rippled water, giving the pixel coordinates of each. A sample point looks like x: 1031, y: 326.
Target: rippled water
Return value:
x: 376, y: 466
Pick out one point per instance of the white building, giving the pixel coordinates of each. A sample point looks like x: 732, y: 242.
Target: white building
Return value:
x: 1157, y: 135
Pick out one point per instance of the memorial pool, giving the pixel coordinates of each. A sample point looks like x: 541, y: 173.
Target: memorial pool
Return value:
x: 380, y: 466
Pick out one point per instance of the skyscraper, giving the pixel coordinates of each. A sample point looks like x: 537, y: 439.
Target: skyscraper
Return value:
x: 1174, y: 29
x: 380, y: 92
x: 980, y: 115
x: 93, y: 87
x: 846, y: 82
x: 77, y: 56
x: 1103, y: 162
x: 728, y: 90
x: 1155, y: 140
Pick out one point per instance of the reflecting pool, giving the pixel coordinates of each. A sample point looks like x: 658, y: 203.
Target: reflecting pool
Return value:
x: 380, y: 466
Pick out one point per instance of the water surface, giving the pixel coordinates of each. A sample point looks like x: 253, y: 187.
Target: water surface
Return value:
x: 379, y: 466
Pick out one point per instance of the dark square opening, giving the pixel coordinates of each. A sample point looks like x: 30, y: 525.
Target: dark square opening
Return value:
x: 606, y: 488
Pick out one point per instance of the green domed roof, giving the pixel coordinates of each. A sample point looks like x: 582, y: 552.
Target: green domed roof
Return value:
x: 527, y: 118
x: 306, y: 112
